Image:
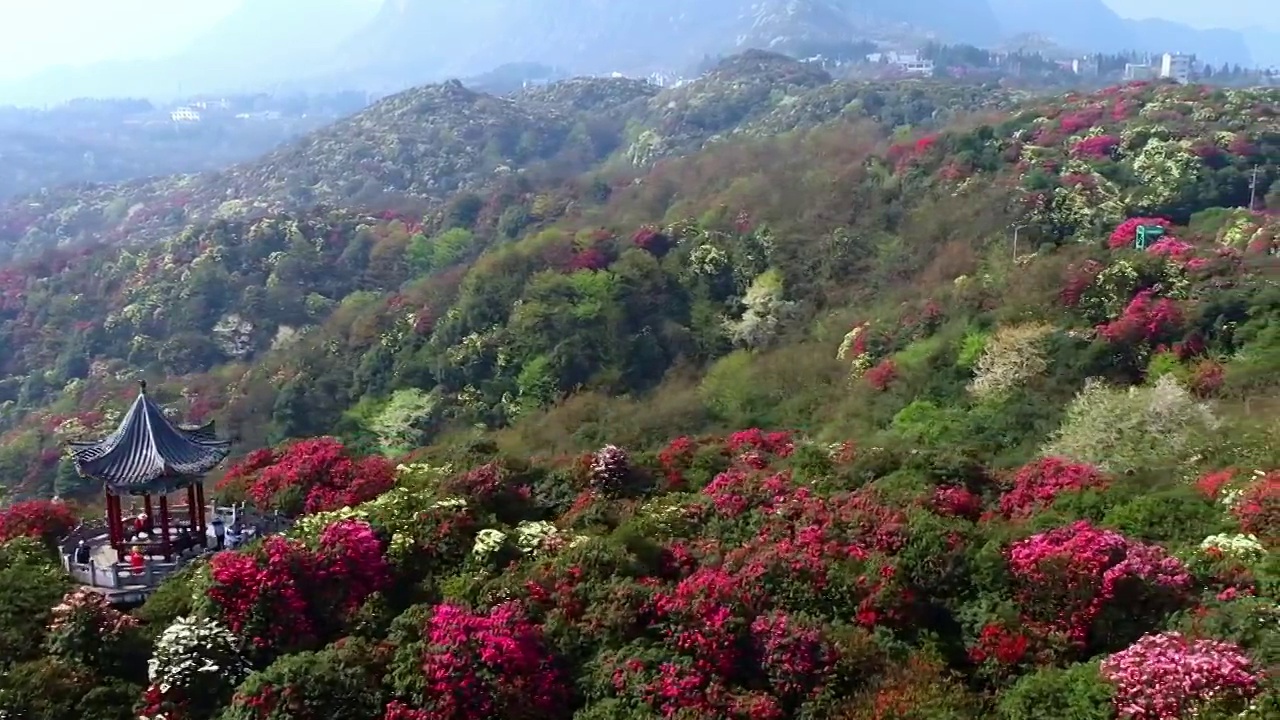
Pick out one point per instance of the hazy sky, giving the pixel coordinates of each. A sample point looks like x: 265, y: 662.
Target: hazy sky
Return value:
x: 40, y: 33
x: 35, y: 34
x: 1239, y: 14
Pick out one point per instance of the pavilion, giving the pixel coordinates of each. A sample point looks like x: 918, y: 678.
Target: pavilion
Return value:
x: 150, y: 457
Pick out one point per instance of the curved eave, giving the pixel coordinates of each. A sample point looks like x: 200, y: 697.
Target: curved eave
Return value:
x: 147, y: 453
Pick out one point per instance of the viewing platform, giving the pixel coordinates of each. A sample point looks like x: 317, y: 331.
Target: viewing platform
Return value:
x: 118, y: 579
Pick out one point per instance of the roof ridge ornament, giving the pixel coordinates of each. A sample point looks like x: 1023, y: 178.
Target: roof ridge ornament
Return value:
x: 142, y: 387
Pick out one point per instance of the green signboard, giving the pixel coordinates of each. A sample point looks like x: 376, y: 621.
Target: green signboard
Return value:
x: 1147, y: 235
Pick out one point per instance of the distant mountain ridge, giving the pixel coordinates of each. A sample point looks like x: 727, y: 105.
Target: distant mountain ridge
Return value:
x: 1092, y: 26
x: 348, y: 44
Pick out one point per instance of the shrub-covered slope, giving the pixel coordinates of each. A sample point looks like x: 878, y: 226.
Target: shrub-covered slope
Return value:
x: 1026, y: 482
x: 735, y: 262
x: 752, y: 575
x: 417, y: 147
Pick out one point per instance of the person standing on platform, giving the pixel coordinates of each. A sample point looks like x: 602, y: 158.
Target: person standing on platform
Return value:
x: 136, y: 561
x: 219, y: 533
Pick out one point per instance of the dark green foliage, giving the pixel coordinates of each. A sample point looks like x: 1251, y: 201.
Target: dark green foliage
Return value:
x: 31, y: 584
x: 1074, y: 693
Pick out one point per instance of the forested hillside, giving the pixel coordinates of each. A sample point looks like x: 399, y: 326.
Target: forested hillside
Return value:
x: 814, y: 411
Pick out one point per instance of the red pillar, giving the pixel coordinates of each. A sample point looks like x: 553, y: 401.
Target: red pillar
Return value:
x: 200, y: 515
x: 164, y: 528
x: 113, y: 523
x: 151, y: 515
x: 191, y: 505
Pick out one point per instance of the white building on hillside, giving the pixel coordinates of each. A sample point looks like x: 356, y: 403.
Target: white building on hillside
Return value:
x: 1177, y: 67
x: 909, y: 63
x: 1138, y: 71
x: 184, y: 115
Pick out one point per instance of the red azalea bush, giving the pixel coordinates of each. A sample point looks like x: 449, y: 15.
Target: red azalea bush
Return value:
x: 45, y: 520
x: 285, y: 596
x: 309, y: 476
x: 476, y: 666
x: 1126, y: 233
x: 1258, y: 509
x: 1098, y: 147
x: 1001, y: 649
x: 957, y: 501
x: 882, y: 375
x: 1146, y: 319
x: 1036, y: 484
x: 1069, y: 579
x: 1167, y: 676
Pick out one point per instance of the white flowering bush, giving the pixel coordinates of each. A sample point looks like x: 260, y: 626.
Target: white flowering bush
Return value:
x: 532, y: 536
x: 854, y: 350
x: 488, y: 542
x: 1237, y: 546
x: 1012, y: 356
x: 196, y: 649
x: 610, y: 467
x: 1165, y: 168
x: 1120, y: 429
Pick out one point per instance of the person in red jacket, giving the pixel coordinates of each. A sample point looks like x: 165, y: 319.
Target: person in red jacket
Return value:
x: 136, y: 561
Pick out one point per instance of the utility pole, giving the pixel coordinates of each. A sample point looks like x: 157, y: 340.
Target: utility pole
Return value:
x: 1253, y: 188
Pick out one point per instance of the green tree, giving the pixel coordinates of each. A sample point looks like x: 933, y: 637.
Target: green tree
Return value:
x: 31, y: 584
x: 405, y: 421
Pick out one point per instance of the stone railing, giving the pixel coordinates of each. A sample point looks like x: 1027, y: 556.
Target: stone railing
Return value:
x: 119, y: 576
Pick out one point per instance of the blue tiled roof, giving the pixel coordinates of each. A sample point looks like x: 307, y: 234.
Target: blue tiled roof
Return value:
x: 147, y: 453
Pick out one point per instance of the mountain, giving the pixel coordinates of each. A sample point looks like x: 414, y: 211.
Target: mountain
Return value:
x: 847, y: 420
x: 1264, y: 46
x: 1092, y: 26
x: 425, y: 40
x: 422, y: 145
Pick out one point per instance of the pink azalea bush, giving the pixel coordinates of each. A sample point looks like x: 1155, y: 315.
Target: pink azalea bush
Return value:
x: 1099, y: 147
x: 475, y: 666
x: 1146, y: 319
x: 1036, y: 484
x: 84, y: 627
x: 1068, y: 578
x: 1126, y: 233
x: 286, y: 595
x: 310, y: 476
x: 1258, y: 508
x: 1169, y: 677
x: 957, y: 501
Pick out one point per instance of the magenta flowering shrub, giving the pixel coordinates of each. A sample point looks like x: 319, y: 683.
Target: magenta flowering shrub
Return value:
x: 1098, y: 147
x: 1258, y: 508
x: 1073, y: 579
x: 351, y: 563
x: 957, y: 501
x: 478, y: 666
x: 1146, y: 319
x: 286, y: 596
x: 1126, y: 233
x: 1170, y: 677
x: 1036, y: 484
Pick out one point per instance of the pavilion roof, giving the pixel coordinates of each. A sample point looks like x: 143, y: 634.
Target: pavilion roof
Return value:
x: 147, y: 453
